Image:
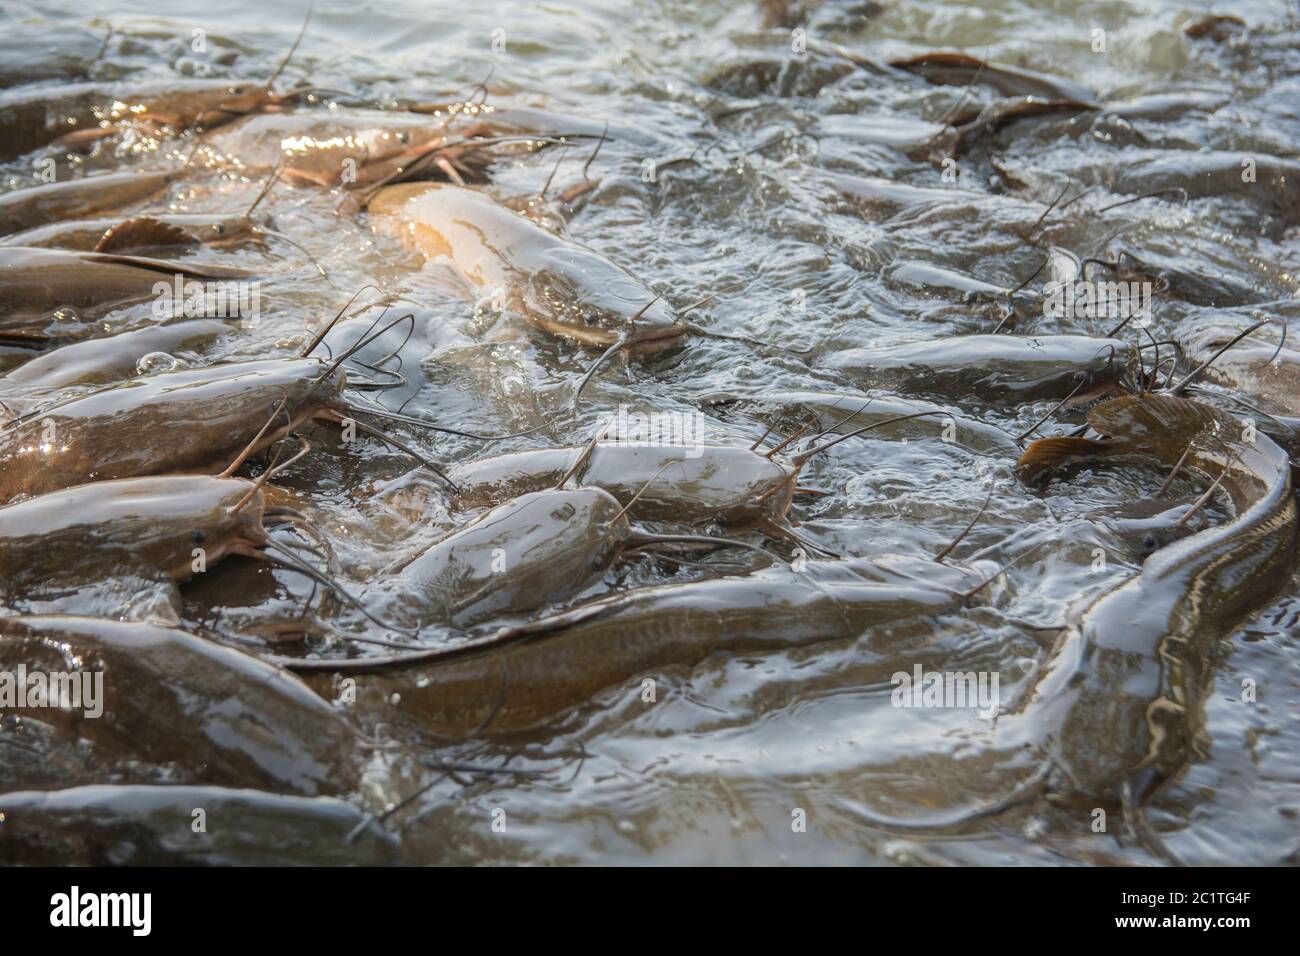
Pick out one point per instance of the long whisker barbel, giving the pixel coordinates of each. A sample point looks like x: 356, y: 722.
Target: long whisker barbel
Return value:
x: 281, y: 553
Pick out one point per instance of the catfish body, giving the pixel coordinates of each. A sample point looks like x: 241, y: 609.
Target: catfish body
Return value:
x: 196, y: 421
x: 558, y: 286
x: 171, y: 698
x: 693, y: 484
x: 1023, y: 368
x: 1132, y: 667
x: 523, y: 677
x: 539, y: 548
x: 34, y: 206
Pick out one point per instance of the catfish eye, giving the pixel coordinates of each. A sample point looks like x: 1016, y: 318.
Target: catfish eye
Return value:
x: 403, y: 137
x: 219, y: 229
x: 1149, y: 542
x: 200, y: 536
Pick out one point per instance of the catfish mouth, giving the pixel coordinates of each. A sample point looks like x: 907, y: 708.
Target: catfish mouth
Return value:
x: 245, y: 537
x: 661, y: 340
x: 214, y: 554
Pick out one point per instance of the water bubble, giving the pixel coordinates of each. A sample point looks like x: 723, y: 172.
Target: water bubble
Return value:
x: 900, y: 853
x: 157, y: 362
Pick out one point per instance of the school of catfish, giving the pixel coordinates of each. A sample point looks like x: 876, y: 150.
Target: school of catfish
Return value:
x: 543, y: 566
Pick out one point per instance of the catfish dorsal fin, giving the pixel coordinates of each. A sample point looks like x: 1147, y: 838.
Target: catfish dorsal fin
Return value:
x: 1046, y: 454
x: 142, y: 232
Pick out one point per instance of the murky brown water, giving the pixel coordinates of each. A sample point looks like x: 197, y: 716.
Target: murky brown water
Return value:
x: 719, y: 177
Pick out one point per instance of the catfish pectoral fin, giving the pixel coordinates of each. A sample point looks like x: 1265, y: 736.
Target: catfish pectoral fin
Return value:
x: 1047, y: 453
x: 142, y: 232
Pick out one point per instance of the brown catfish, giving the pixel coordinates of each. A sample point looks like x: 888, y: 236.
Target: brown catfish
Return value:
x: 144, y: 231
x: 35, y: 284
x: 754, y: 74
x: 34, y: 206
x: 537, y: 549
x: 732, y: 485
x: 1119, y: 702
x: 191, y: 421
x: 1217, y: 27
x: 154, y: 825
x: 145, y: 526
x: 197, y: 420
x: 356, y: 150
x: 215, y: 714
x: 845, y: 412
x: 540, y: 548
x: 1268, y: 183
x: 1023, y: 368
x: 1262, y: 371
x: 961, y: 69
x: 553, y: 283
x: 524, y: 676
x: 1166, y: 106
x: 888, y: 195
x: 110, y: 359
x: 77, y: 116
x: 914, y: 138
x: 1009, y: 109
x: 531, y: 121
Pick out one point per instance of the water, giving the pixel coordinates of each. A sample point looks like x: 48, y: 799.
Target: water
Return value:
x: 717, y: 186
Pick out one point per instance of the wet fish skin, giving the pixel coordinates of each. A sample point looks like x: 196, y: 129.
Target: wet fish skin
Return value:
x: 33, y: 118
x: 732, y: 485
x: 890, y: 195
x: 960, y: 69
x: 23, y: 209
x: 1021, y: 368
x: 833, y: 408
x: 1266, y: 375
x: 195, y: 420
x: 520, y: 678
x: 153, y: 825
x: 758, y: 75
x: 215, y: 714
x: 554, y: 284
x: 151, y: 526
x: 107, y: 360
x: 1119, y: 700
x: 1165, y: 106
x: 540, y: 548
x: 1205, y: 174
x: 352, y: 150
x: 39, y: 287
x: 84, y: 235
x: 915, y: 138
